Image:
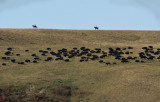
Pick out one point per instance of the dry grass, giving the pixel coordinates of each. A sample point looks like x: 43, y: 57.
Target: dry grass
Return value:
x: 131, y: 82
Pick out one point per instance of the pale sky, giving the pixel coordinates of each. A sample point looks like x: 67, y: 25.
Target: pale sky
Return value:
x: 81, y: 14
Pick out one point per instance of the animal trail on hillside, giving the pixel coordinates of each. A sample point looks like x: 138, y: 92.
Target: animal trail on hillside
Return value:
x: 112, y: 56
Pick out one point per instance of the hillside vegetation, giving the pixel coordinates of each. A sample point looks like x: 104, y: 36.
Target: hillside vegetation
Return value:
x: 83, y: 77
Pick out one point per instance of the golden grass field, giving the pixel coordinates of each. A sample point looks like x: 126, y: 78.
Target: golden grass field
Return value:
x: 75, y: 81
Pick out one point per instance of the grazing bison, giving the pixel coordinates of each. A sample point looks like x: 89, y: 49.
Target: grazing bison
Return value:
x: 4, y: 64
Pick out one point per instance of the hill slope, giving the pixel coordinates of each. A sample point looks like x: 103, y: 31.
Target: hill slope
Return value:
x: 87, y: 79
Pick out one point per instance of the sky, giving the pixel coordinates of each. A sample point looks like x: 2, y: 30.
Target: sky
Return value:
x: 81, y: 14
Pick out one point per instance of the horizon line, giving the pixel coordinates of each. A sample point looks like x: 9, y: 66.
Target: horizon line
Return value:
x: 77, y: 29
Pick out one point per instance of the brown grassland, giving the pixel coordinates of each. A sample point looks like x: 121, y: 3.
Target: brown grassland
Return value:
x: 75, y: 81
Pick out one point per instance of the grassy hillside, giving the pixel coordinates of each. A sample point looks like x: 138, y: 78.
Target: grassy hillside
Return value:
x: 86, y: 81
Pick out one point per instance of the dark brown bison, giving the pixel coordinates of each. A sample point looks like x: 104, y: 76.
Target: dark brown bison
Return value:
x: 96, y: 28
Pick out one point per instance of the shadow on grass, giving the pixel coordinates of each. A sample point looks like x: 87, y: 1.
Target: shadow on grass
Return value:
x: 31, y: 94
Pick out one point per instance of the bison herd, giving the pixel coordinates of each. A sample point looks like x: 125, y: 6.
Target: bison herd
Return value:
x: 111, y: 56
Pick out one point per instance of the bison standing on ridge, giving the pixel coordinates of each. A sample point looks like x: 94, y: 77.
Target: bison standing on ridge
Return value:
x: 34, y: 26
x: 96, y: 28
